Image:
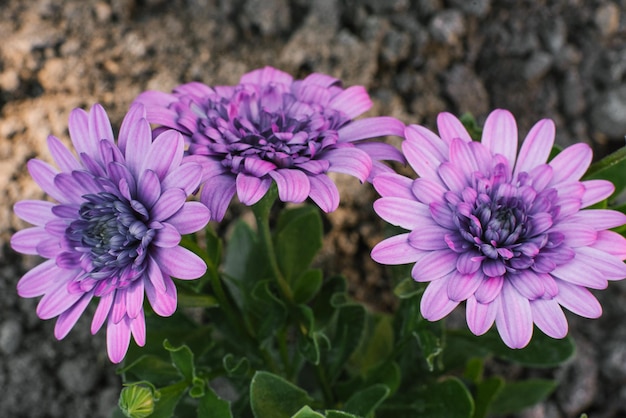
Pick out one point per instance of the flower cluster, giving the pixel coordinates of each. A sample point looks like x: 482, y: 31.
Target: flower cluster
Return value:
x: 501, y: 230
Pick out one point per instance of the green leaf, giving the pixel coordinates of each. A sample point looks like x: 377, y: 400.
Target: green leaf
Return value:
x: 307, y: 412
x: 612, y: 168
x: 486, y: 391
x: 430, y: 339
x: 152, y: 369
x: 297, y: 240
x: 307, y: 285
x: 182, y: 358
x: 542, y: 351
x: 367, y: 400
x: 213, y: 246
x: 377, y: 343
x: 213, y: 406
x: 272, y: 396
x: 469, y: 122
x: 321, y: 304
x: 168, y: 398
x: 137, y: 401
x: 269, y: 310
x: 447, y: 398
x: 408, y: 288
x: 195, y: 300
x: 348, y: 331
x: 331, y: 413
x: 516, y: 396
x: 388, y: 374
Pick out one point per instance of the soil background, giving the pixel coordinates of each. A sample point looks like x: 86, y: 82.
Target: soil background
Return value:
x: 564, y: 60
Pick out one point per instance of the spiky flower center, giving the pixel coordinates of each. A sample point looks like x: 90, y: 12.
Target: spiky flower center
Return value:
x: 113, y: 235
x: 268, y: 123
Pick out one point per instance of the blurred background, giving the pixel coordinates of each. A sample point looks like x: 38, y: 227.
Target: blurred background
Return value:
x: 564, y: 60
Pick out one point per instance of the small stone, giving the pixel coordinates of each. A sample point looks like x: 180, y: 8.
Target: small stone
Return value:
x: 10, y: 336
x: 607, y: 115
x: 478, y: 8
x: 78, y: 376
x: 537, y: 66
x: 271, y: 17
x: 103, y: 12
x: 448, y: 26
x: 607, y: 19
x: 466, y: 90
x: 572, y: 95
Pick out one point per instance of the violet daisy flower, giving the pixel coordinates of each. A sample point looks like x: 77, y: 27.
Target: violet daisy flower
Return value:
x: 272, y: 128
x: 115, y: 232
x: 500, y: 230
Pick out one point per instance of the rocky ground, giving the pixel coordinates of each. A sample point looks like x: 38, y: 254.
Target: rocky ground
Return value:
x: 564, y: 59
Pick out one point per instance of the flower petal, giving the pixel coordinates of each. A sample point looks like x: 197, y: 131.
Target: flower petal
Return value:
x: 118, y: 339
x: 578, y: 300
x: 68, y: 319
x: 370, y: 128
x: 435, y: 303
x: 192, y: 217
x: 353, y: 101
x: 549, y: 317
x: 396, y: 250
x: 179, y: 262
x: 536, y: 147
x: 407, y: 214
x: 251, y: 189
x: 480, y: 316
x: 393, y: 185
x: 163, y: 304
x: 293, y: 185
x: 500, y: 134
x: 514, y: 318
x: 462, y: 286
x: 596, y: 191
x: 168, y: 204
x: 217, y: 194
x: 351, y: 161
x: 450, y: 128
x: 434, y: 265
x: 324, y: 192
x: 428, y: 237
x: 102, y: 311
x: 571, y: 163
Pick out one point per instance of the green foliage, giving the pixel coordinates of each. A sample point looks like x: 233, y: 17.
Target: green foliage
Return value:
x: 515, y: 396
x: 271, y: 396
x: 612, y: 168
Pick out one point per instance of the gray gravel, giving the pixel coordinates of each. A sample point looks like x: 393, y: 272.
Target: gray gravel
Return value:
x: 563, y: 59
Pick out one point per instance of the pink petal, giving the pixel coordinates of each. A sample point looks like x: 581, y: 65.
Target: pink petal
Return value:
x: 434, y: 265
x: 489, y: 290
x: 612, y: 267
x: 44, y: 174
x: 407, y: 214
x: 136, y: 112
x: 163, y: 304
x: 324, y: 192
x: 428, y: 237
x: 138, y: 328
x: 37, y: 280
x: 393, y: 185
x: 462, y: 286
x: 576, y: 234
x: 423, y: 157
x: 549, y: 317
x: 536, y: 147
x: 137, y: 149
x: 118, y: 310
x: 480, y: 316
x: 36, y: 212
x: 134, y: 299
x: 428, y: 191
x: 293, y: 185
x: 68, y: 319
x: 396, y: 250
x: 62, y: 156
x: 596, y: 191
x: 57, y: 299
x: 579, y: 273
x: 571, y: 163
x: 598, y: 219
x: 528, y: 283
x: 187, y: 177
x: 118, y: 339
x: 165, y: 153
x: 192, y: 217
x: 78, y: 125
x: 99, y: 124
x: 612, y: 243
x: 155, y: 276
x: 435, y: 303
x: 370, y: 128
x: 450, y: 128
x: 578, y: 300
x: 452, y: 176
x: 381, y: 151
x: 102, y: 311
x: 179, y: 262
x: 28, y: 240
x: 514, y: 318
x: 353, y: 101
x: 462, y: 156
x: 167, y: 237
x: 168, y: 204
x: 217, y: 194
x: 251, y: 189
x: 500, y: 134
x: 351, y: 161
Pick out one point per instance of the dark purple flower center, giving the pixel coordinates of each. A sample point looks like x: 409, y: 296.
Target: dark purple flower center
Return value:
x: 270, y: 124
x: 506, y: 226
x: 112, y: 234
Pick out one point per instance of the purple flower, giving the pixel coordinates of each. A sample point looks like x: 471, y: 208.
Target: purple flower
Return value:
x: 272, y: 128
x: 500, y: 230
x: 115, y: 232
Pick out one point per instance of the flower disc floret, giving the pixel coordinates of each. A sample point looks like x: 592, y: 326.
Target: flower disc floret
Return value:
x: 114, y: 233
x: 503, y: 231
x: 270, y: 128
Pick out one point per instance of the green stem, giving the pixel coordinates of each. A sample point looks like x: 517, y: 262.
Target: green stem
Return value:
x: 261, y: 213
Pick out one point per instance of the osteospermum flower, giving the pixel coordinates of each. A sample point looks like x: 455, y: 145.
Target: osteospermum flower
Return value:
x: 500, y: 230
x: 272, y: 128
x: 115, y: 230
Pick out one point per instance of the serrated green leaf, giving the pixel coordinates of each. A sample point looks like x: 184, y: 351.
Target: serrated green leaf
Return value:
x: 169, y: 397
x: 211, y: 405
x: 447, y: 398
x: 271, y: 396
x: 307, y: 285
x: 198, y: 388
x: 430, y: 342
x: 408, y: 288
x: 365, y: 402
x: 182, y: 358
x: 515, y: 396
x: 307, y: 412
x: 486, y: 392
x: 297, y: 240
